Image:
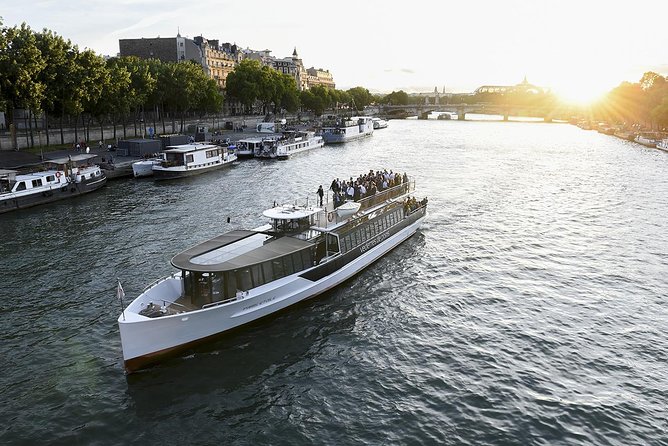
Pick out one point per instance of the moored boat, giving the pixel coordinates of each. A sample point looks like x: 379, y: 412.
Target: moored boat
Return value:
x: 144, y: 168
x: 289, y: 143
x: 191, y: 159
x: 663, y: 145
x: 246, y: 148
x: 379, y: 123
x: 347, y: 130
x: 646, y: 139
x: 64, y: 178
x: 244, y: 275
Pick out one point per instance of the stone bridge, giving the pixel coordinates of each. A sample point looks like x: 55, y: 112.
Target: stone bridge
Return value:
x: 548, y: 113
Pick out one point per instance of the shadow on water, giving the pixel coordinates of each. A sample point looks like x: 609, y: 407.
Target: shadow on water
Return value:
x: 236, y: 363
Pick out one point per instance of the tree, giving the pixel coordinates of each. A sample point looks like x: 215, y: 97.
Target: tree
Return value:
x: 360, y: 97
x: 243, y: 84
x: 21, y: 63
x: 54, y: 50
x: 396, y: 98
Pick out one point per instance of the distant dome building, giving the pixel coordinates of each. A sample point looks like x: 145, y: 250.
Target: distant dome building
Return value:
x: 522, y: 87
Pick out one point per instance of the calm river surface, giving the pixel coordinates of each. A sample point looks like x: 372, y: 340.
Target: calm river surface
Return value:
x: 530, y: 309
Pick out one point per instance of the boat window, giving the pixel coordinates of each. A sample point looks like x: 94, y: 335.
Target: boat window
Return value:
x: 306, y: 258
x: 266, y: 269
x: 367, y: 230
x: 289, y: 267
x: 258, y: 278
x: 217, y: 289
x: 188, y: 283
x: 297, y: 261
x: 189, y: 159
x: 332, y: 243
x: 50, y: 178
x: 20, y: 186
x: 230, y: 282
x: 244, y: 281
x: 277, y: 267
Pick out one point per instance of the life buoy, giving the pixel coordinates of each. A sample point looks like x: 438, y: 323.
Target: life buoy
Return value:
x: 57, y: 174
x: 330, y: 217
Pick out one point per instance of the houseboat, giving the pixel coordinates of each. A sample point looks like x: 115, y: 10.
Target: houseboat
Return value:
x: 246, y: 148
x: 244, y: 275
x: 347, y: 130
x: 63, y: 178
x: 289, y: 144
x: 191, y: 159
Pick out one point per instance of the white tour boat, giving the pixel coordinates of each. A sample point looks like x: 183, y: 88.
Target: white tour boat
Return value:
x: 348, y: 130
x: 191, y: 159
x: 379, y: 123
x: 65, y: 178
x: 663, y: 145
x: 244, y: 275
x: 289, y: 144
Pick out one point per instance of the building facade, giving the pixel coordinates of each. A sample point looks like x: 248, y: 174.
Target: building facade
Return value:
x: 166, y: 49
x: 218, y: 60
x: 320, y: 77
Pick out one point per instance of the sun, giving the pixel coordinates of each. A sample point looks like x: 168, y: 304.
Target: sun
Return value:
x: 582, y: 93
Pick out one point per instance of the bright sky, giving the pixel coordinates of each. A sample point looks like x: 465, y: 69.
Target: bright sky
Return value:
x: 578, y: 48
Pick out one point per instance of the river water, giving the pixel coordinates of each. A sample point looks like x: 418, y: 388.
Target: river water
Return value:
x: 529, y: 309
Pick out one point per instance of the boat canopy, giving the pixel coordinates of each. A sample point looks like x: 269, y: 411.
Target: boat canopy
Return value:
x: 77, y: 159
x: 236, y: 249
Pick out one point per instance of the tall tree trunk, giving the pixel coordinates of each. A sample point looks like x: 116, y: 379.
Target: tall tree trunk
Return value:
x: 26, y: 125
x: 46, y: 124
x: 162, y: 118
x: 113, y: 118
x: 62, y: 132
x: 76, y: 129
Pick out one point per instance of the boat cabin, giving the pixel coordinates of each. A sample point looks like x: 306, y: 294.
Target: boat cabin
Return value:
x: 192, y: 155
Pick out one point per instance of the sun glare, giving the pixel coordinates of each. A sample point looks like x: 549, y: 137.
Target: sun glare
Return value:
x: 581, y: 94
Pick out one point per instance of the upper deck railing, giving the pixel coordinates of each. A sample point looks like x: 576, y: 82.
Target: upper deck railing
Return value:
x: 329, y: 216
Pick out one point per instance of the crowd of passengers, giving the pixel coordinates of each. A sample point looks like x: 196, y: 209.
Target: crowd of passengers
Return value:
x: 411, y: 204
x: 365, y: 185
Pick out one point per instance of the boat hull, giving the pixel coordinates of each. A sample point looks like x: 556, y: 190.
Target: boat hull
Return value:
x: 146, y: 341
x: 143, y: 169
x: 172, y: 173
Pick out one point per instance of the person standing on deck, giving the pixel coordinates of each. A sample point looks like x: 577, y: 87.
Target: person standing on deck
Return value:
x: 321, y: 193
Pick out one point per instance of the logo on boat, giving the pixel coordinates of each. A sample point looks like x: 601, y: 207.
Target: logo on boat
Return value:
x: 370, y: 244
x: 258, y: 304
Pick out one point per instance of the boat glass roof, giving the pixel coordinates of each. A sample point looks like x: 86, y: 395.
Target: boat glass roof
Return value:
x: 228, y: 252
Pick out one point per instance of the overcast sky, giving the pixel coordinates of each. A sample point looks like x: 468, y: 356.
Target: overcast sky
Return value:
x: 576, y: 47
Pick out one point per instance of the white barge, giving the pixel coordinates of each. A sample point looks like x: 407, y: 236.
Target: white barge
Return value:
x: 191, y: 159
x: 64, y: 178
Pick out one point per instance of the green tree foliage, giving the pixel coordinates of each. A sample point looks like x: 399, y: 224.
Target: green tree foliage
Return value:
x: 243, y: 84
x: 644, y: 102
x: 396, y: 98
x: 21, y: 62
x: 360, y: 97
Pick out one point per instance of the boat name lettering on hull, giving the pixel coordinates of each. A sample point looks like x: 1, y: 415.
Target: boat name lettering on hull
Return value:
x: 370, y: 244
x: 258, y: 304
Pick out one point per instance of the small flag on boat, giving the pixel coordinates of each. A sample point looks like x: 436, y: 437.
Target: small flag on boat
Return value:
x: 119, y: 292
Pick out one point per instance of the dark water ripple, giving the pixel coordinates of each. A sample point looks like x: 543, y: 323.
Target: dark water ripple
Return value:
x: 530, y: 309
